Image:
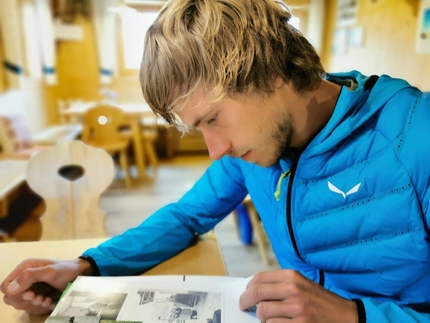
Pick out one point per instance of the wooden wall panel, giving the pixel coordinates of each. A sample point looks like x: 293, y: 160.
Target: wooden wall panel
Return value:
x: 77, y: 65
x: 77, y: 70
x: 2, y: 71
x: 390, y: 28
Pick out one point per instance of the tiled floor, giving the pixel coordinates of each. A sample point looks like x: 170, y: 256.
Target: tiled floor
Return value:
x: 126, y: 208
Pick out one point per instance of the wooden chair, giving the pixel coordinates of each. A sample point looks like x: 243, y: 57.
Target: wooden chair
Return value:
x: 257, y: 228
x: 21, y: 220
x: 70, y: 177
x: 149, y: 137
x: 102, y: 129
x: 63, y: 106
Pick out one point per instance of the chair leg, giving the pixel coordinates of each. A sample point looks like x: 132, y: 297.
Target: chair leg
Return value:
x: 236, y: 227
x: 123, y: 160
x: 152, y: 155
x: 259, y: 231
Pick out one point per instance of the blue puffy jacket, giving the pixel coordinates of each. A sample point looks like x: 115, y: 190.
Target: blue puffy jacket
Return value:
x: 351, y: 213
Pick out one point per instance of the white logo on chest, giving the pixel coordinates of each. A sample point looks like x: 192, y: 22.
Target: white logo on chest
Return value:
x: 353, y: 190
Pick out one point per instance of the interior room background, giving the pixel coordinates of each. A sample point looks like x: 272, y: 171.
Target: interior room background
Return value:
x: 387, y: 44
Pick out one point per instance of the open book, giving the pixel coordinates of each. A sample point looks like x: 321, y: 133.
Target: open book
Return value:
x: 147, y: 299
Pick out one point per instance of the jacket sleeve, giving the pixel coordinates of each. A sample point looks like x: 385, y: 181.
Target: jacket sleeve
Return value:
x: 389, y: 312
x: 172, y: 228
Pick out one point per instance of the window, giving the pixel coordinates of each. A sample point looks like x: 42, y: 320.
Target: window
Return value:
x: 295, y: 22
x: 134, y: 27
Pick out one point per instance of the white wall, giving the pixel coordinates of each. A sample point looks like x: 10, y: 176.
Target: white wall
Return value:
x: 28, y: 99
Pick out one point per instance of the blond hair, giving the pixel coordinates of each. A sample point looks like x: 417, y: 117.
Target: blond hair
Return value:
x: 228, y: 46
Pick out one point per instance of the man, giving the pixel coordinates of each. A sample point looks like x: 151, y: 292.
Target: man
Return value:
x: 336, y: 166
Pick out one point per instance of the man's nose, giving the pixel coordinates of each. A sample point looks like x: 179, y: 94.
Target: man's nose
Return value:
x: 217, y: 145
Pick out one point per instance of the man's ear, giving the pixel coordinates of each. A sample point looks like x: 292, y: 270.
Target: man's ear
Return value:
x: 278, y: 82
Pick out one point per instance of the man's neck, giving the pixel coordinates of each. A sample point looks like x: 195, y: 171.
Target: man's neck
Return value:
x: 314, y: 110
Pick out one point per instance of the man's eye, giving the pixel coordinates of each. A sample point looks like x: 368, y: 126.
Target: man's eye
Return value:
x: 212, y: 120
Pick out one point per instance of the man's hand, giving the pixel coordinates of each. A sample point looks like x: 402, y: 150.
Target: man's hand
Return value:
x: 288, y: 296
x: 35, y: 285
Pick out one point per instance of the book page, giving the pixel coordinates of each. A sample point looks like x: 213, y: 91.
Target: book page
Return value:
x: 146, y: 299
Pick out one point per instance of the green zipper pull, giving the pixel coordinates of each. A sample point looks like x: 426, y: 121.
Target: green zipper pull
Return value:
x: 278, y: 188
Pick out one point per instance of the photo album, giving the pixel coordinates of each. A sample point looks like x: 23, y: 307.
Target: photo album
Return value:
x: 147, y: 299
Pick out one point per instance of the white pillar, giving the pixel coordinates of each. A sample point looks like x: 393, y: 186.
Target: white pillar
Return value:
x: 46, y: 38
x: 13, y: 61
x: 317, y: 13
x: 31, y: 37
x: 105, y: 35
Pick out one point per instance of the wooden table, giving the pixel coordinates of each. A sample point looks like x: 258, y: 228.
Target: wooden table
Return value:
x: 12, y: 174
x: 202, y: 259
x: 133, y: 110
x: 134, y: 113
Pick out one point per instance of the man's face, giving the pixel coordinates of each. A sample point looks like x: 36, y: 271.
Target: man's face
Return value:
x: 253, y: 127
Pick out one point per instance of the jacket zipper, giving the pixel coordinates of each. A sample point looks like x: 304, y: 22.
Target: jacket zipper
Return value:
x: 290, y: 224
x: 289, y: 220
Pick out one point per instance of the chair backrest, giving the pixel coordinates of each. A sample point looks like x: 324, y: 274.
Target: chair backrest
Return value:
x: 70, y: 177
x: 102, y: 124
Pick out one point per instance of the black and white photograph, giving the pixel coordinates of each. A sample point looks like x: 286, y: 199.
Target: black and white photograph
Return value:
x: 142, y: 299
x: 104, y: 305
x: 176, y: 306
x: 73, y: 319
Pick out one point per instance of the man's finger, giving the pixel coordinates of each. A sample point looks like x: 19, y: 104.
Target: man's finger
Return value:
x: 29, y: 263
x: 14, y: 284
x: 21, y: 283
x: 46, y: 290
x: 273, y: 311
x: 280, y: 320
x: 266, y: 292
x: 276, y: 276
x: 37, y: 279
x: 28, y: 307
x: 38, y: 300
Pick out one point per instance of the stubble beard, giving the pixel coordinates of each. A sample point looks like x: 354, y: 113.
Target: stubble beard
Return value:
x: 281, y: 138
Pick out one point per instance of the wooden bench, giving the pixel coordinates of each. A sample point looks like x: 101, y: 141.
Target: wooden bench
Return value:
x: 17, y: 141
x: 13, y: 175
x: 52, y: 135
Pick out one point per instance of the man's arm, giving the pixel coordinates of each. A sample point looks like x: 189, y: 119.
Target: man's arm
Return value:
x: 172, y: 228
